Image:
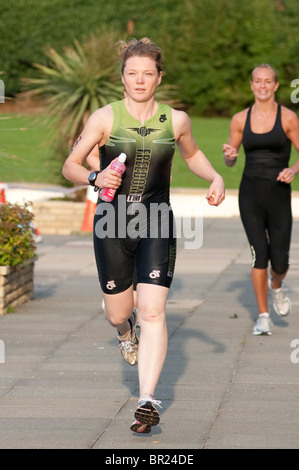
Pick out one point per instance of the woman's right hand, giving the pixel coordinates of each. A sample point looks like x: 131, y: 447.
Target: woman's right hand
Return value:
x: 109, y: 178
x: 230, y: 152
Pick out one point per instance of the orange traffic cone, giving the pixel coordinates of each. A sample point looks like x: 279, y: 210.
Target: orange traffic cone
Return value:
x: 2, y: 193
x: 36, y: 233
x: 91, y: 204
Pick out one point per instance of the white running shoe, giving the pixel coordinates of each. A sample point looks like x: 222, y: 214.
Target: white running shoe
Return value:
x: 281, y: 302
x: 263, y: 325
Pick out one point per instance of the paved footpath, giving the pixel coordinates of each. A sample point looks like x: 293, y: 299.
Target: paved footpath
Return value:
x: 64, y: 384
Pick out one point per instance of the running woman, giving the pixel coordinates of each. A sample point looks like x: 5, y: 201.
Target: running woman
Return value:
x: 267, y: 131
x: 146, y: 131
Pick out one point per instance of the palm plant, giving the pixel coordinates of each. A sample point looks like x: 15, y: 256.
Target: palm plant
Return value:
x: 78, y: 81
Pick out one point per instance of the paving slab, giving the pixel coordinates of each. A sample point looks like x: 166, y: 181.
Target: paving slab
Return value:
x: 64, y: 384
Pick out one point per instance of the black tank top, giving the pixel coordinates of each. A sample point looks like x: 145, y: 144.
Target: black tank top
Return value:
x: 266, y: 154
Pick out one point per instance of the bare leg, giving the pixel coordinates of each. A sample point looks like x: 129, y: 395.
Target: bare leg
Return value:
x: 153, y: 335
x: 118, y: 309
x: 276, y: 279
x: 259, y: 279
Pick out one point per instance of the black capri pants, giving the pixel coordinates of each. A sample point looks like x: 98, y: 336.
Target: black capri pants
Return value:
x: 266, y: 214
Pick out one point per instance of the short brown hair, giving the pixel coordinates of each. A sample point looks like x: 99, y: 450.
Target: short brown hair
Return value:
x: 144, y: 48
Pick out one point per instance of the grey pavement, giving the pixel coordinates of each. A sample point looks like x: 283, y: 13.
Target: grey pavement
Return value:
x: 64, y: 385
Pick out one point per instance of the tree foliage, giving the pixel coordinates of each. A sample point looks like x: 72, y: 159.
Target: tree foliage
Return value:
x: 210, y: 46
x: 221, y: 41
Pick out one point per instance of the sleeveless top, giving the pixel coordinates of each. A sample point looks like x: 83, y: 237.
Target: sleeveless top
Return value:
x: 266, y: 154
x: 149, y: 147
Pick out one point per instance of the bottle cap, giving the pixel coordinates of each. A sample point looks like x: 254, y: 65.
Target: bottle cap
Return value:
x: 122, y: 157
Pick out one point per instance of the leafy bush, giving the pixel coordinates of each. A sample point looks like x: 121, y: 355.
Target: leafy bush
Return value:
x: 16, y: 238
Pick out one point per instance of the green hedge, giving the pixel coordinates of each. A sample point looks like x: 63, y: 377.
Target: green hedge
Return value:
x: 210, y: 46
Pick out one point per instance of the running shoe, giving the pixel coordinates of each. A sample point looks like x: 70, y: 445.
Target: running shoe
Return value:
x: 136, y: 426
x: 281, y: 302
x: 263, y: 325
x: 128, y: 343
x: 146, y: 411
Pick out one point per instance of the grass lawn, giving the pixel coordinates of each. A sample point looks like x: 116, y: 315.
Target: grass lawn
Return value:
x: 26, y: 153
x: 210, y: 134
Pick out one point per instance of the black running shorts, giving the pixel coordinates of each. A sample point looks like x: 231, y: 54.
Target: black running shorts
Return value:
x: 148, y: 243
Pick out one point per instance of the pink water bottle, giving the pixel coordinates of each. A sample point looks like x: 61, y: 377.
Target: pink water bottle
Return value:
x: 107, y: 194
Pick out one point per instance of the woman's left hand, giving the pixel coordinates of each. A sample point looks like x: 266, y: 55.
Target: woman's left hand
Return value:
x: 286, y: 175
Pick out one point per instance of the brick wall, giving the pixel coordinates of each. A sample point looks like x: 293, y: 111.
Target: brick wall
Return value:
x: 16, y: 285
x: 58, y: 217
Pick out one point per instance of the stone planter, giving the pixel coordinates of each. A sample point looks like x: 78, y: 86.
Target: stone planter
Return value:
x: 16, y: 285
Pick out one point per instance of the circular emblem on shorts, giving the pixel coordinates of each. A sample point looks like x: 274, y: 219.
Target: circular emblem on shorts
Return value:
x: 154, y: 274
x: 110, y: 285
